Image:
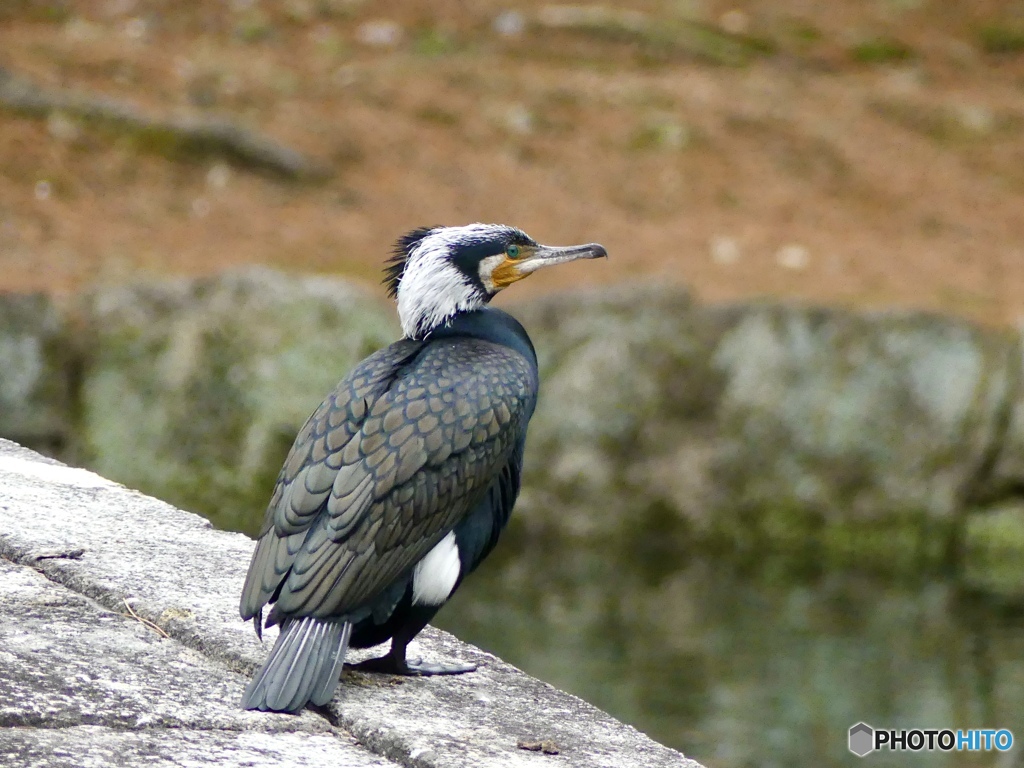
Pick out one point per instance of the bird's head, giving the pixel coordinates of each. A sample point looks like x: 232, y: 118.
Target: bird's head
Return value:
x: 438, y: 272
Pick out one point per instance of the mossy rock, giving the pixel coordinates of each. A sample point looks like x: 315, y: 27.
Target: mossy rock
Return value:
x: 864, y: 437
x: 858, y: 416
x: 994, y: 551
x: 35, y: 392
x: 193, y: 390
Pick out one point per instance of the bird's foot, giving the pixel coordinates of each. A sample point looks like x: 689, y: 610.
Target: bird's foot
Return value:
x: 427, y: 669
x: 389, y: 665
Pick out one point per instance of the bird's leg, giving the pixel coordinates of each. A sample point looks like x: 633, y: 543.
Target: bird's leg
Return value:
x: 395, y: 662
x: 421, y: 667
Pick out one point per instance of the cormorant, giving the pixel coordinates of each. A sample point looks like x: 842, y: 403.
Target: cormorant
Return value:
x: 402, y: 480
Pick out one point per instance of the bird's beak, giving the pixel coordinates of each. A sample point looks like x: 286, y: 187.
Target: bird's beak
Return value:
x: 546, y: 255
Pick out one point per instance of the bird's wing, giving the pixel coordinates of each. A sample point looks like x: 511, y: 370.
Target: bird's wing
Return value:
x: 305, y: 480
x: 371, y: 486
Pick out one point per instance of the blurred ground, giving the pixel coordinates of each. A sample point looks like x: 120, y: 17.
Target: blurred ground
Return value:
x: 866, y: 153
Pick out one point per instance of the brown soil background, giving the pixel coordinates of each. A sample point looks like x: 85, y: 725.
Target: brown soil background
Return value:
x: 871, y: 156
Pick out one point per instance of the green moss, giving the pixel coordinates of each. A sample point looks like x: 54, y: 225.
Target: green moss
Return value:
x: 881, y: 50
x: 332, y: 46
x: 994, y: 551
x: 791, y: 529
x: 434, y: 42
x: 659, y: 40
x: 661, y: 134
x: 709, y: 43
x: 437, y: 115
x: 1001, y: 39
x: 908, y: 543
x: 804, y: 33
x: 50, y: 11
x: 904, y: 543
x: 253, y: 27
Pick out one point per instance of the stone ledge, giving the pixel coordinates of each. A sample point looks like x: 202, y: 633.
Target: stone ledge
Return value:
x: 81, y: 679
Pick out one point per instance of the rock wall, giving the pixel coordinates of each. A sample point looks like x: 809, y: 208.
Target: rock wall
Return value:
x: 762, y: 425
x: 35, y: 372
x: 770, y: 425
x: 193, y: 390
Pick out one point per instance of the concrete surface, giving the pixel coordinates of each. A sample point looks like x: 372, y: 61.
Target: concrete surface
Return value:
x: 121, y: 644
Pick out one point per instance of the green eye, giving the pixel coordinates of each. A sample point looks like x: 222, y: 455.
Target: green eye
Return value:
x: 513, y: 251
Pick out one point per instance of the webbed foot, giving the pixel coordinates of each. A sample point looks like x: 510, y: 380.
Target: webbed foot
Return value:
x: 389, y: 665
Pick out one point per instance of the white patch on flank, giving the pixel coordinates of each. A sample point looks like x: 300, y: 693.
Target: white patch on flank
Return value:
x: 432, y: 290
x: 51, y: 473
x: 435, y: 575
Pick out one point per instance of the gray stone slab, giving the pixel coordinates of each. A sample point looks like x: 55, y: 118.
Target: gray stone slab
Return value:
x: 67, y: 661
x: 107, y: 543
x: 83, y: 685
x: 92, y: 746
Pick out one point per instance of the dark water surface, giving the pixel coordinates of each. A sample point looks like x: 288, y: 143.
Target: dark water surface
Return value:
x: 750, y: 665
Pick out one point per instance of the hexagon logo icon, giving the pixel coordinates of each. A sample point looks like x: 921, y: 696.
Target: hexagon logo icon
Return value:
x: 862, y: 739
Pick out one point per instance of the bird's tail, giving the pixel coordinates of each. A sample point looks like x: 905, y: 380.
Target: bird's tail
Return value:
x: 304, y: 665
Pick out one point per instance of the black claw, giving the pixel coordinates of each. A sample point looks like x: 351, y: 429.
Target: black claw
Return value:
x: 383, y: 664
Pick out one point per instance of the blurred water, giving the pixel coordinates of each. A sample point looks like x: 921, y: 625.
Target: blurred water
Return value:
x: 749, y: 665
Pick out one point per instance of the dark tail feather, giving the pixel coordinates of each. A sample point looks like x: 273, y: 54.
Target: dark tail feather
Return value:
x: 304, y: 665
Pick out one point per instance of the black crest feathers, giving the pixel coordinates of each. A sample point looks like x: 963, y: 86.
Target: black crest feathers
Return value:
x: 394, y: 267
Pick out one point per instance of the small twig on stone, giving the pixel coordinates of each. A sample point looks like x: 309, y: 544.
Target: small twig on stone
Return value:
x: 67, y: 554
x: 155, y: 627
x: 547, y: 746
x: 189, y: 134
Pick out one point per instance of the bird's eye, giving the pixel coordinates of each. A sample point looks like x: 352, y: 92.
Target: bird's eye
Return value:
x: 512, y: 251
